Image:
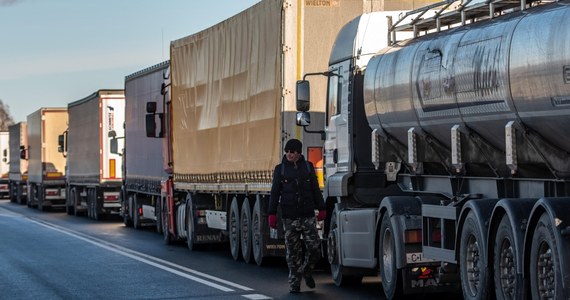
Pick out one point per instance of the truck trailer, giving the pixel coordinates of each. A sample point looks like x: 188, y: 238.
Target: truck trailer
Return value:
x: 5, y: 164
x: 230, y: 108
x: 46, y: 166
x: 18, y: 174
x: 142, y: 176
x: 94, y: 176
x: 446, y: 159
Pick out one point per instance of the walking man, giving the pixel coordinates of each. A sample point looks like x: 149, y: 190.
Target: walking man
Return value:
x: 296, y: 190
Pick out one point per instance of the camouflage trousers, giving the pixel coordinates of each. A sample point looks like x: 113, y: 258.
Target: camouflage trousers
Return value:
x: 299, y: 232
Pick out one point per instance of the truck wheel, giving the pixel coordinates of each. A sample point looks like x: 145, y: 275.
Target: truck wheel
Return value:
x: 126, y: 213
x: 505, y: 262
x: 190, y: 241
x: 545, y: 273
x: 20, y: 194
x: 158, y: 216
x: 389, y: 273
x: 337, y: 269
x: 234, y: 229
x: 40, y: 198
x: 245, y: 234
x: 256, y: 233
x: 12, y: 192
x: 165, y: 227
x: 96, y: 205
x: 135, y: 211
x: 76, y: 202
x: 473, y: 261
x: 69, y: 202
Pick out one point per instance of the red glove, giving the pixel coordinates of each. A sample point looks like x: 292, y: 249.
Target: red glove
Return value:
x: 322, y: 215
x: 273, y: 221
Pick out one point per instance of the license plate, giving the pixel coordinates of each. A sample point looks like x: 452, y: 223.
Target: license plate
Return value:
x: 418, y: 257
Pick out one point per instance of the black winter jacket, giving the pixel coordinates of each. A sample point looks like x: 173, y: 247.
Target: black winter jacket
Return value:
x: 296, y: 190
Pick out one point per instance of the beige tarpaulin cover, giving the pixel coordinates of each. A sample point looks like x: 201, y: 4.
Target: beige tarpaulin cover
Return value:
x: 226, y: 95
x: 233, y: 85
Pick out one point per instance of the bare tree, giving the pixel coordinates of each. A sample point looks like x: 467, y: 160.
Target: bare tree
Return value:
x: 5, y: 117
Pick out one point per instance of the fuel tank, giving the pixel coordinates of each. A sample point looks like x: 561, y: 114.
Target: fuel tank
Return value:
x: 482, y: 75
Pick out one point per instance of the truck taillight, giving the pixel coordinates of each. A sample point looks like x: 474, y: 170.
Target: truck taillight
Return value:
x: 112, y: 168
x: 315, y: 156
x: 413, y: 236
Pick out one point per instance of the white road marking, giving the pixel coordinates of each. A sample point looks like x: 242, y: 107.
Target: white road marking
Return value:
x: 155, y: 262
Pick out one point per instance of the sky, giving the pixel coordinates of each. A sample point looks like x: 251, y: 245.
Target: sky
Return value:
x: 53, y: 52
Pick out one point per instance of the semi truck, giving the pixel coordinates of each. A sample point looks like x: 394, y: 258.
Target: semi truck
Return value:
x: 18, y: 167
x: 446, y: 157
x: 46, y: 166
x: 4, y: 164
x: 142, y: 177
x: 94, y: 177
x: 229, y: 109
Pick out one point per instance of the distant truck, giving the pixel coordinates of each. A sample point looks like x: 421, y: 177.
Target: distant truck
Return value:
x: 4, y: 164
x: 143, y: 158
x: 46, y: 166
x: 94, y: 177
x: 232, y: 109
x: 18, y: 167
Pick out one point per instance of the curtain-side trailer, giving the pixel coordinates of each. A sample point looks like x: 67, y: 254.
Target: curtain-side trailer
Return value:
x: 4, y: 164
x: 18, y: 173
x: 94, y: 175
x: 46, y: 166
x: 143, y: 158
x: 232, y: 108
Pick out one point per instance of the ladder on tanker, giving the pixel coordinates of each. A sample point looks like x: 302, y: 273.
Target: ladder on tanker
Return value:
x: 454, y: 13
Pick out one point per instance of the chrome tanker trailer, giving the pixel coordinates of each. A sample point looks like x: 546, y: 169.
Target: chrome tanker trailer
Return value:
x: 447, y: 155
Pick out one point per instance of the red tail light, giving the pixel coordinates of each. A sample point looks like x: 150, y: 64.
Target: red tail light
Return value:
x: 413, y: 236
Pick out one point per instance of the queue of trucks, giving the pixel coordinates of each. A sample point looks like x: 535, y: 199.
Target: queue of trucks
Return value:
x: 437, y: 134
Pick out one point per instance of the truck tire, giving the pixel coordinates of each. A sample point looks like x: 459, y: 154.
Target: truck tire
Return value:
x: 234, y: 229
x: 190, y: 239
x: 389, y: 273
x: 20, y: 194
x: 97, y: 205
x: 167, y: 237
x: 505, y: 259
x: 40, y: 194
x: 158, y: 214
x: 69, y: 202
x: 126, y: 210
x: 135, y: 210
x: 245, y: 234
x: 257, y: 222
x: 76, y: 202
x: 337, y: 269
x: 472, y: 260
x: 12, y: 192
x: 545, y: 273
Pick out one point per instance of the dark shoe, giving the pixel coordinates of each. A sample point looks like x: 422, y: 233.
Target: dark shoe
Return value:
x: 294, y: 290
x: 310, y: 282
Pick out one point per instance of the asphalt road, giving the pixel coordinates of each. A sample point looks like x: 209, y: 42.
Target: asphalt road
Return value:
x: 50, y: 255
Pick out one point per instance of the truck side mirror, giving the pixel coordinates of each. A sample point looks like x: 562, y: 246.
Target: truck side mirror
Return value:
x: 303, y: 95
x: 23, y: 152
x: 114, y: 146
x: 303, y: 118
x: 152, y: 122
x: 60, y: 143
x: 151, y: 107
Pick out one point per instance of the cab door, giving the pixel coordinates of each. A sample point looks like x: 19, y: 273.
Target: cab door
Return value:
x: 337, y: 146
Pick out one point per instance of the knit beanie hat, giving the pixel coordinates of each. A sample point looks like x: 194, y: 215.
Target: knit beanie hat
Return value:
x: 295, y: 145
